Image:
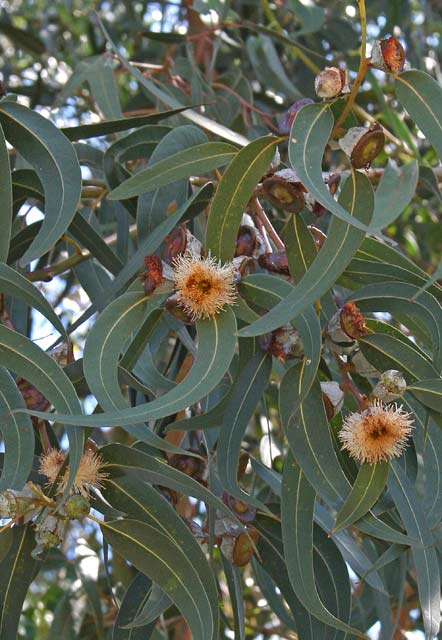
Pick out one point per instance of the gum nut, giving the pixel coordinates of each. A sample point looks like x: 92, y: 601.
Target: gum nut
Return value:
x: 390, y: 386
x: 334, y: 394
x: 330, y: 82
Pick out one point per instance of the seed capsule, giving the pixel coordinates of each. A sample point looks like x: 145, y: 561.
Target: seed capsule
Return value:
x: 285, y: 191
x: 243, y: 511
x: 153, y: 276
x: 246, y: 242
x: 275, y: 262
x: 243, y: 548
x: 363, y: 145
x: 76, y: 507
x: 287, y: 120
x: 388, y: 55
x: 331, y: 82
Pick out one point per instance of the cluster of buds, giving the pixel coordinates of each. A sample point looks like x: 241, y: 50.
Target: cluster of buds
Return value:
x: 390, y: 386
x: 284, y: 343
x: 362, y: 145
x: 344, y: 328
x: 331, y: 82
x: 285, y: 191
x: 388, y: 55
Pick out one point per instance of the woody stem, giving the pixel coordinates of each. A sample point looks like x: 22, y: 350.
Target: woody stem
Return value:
x: 361, y: 71
x: 262, y: 217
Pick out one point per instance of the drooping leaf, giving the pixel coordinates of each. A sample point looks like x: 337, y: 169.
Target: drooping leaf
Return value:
x: 233, y: 193
x: 424, y: 553
x: 18, y: 435
x: 155, y: 554
x: 368, y: 486
x: 196, y: 160
x: 134, y: 599
x: 394, y: 192
x: 421, y: 96
x: 297, y: 507
x: 17, y: 570
x: 216, y: 346
x: 14, y: 284
x: 55, y: 162
x: 5, y: 198
x: 21, y: 355
x: 342, y: 242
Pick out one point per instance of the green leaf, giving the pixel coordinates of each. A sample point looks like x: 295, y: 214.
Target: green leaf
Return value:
x: 309, y: 136
x: 5, y: 198
x: 164, y: 37
x: 235, y: 587
x: 424, y: 553
x: 14, y: 284
x: 134, y: 599
x: 92, y: 240
x: 421, y: 96
x: 248, y: 390
x: 156, y: 555
x: 342, y: 242
x: 25, y: 358
x: 216, y: 347
x: 297, y: 506
x: 428, y: 392
x: 394, y: 192
x: 196, y: 160
x: 233, y: 193
x: 105, y: 128
x: 55, y: 162
x: 17, y: 571
x: 368, y: 486
x: 18, y: 435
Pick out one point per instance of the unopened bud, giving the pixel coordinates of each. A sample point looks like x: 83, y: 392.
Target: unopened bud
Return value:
x: 333, y: 398
x: 275, y: 262
x: 153, y: 276
x: 244, y: 266
x: 331, y: 82
x: 243, y: 547
x: 48, y: 533
x: 388, y: 55
x: 190, y: 465
x: 76, y: 507
x: 246, y: 241
x: 362, y: 145
x: 346, y: 326
x: 285, y: 191
x: 173, y: 306
x: 390, y: 386
x: 34, y: 400
x: 286, y: 123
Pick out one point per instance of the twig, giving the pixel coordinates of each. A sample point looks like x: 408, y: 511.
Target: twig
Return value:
x: 262, y: 217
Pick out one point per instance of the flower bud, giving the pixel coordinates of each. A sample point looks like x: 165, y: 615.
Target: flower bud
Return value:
x: 243, y: 511
x: 172, y: 306
x: 76, y: 507
x: 8, y: 504
x: 175, y: 243
x: 246, y: 241
x: 244, y: 266
x: 275, y: 262
x: 285, y: 191
x: 16, y: 504
x: 286, y: 123
x: 331, y: 82
x: 390, y: 386
x: 333, y: 398
x: 243, y: 548
x: 388, y: 55
x: 362, y: 145
x: 49, y: 532
x: 352, y: 321
x: 153, y: 276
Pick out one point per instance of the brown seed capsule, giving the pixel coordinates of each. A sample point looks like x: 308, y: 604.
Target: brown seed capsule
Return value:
x: 243, y: 511
x: 243, y: 548
x: 153, y: 276
x: 285, y: 191
x: 246, y: 241
x: 362, y: 145
x: 352, y: 321
x: 333, y: 398
x: 190, y: 465
x: 388, y: 55
x: 275, y: 262
x: 283, y: 343
x: 331, y: 82
x: 34, y: 400
x: 175, y: 243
